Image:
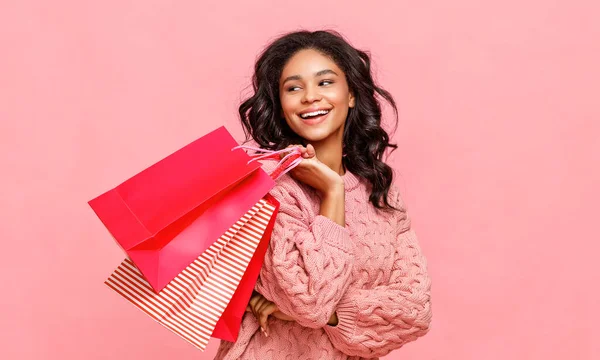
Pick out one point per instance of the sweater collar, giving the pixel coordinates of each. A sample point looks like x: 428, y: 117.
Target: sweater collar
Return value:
x: 351, y: 181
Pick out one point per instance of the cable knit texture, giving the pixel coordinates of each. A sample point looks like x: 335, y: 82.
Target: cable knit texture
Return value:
x: 370, y: 272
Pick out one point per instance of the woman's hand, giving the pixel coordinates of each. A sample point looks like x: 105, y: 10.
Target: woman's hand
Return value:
x: 315, y: 174
x: 262, y: 308
x: 330, y: 184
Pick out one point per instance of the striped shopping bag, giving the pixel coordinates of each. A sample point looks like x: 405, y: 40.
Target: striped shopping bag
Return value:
x: 193, y: 303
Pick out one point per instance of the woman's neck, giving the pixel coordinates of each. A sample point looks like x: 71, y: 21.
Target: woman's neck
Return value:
x: 330, y: 154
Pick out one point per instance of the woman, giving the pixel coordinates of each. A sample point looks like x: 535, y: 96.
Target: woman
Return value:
x: 344, y: 277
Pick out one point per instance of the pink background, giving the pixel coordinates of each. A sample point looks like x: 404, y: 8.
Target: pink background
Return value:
x: 498, y: 159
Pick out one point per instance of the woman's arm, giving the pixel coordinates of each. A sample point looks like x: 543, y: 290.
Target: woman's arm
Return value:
x: 373, y: 322
x: 308, y: 265
x: 262, y: 308
x: 332, y: 205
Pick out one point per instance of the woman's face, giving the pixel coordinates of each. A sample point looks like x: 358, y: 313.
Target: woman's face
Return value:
x: 314, y: 96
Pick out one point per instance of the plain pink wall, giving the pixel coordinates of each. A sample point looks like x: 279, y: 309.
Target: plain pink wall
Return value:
x: 498, y: 160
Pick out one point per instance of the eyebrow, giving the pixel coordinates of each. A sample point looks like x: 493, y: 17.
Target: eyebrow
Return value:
x: 318, y: 73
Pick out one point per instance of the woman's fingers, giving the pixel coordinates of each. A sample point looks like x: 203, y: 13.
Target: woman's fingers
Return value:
x: 253, y: 302
x: 310, y: 151
x: 258, y: 305
x: 306, y: 152
x: 282, y: 155
x: 259, y: 310
x: 264, y: 313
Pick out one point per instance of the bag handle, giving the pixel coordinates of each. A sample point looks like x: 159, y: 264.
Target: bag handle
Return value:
x: 287, y: 163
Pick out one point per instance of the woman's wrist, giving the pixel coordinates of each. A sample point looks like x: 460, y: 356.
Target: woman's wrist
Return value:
x: 335, y: 189
x: 333, y: 205
x: 281, y: 316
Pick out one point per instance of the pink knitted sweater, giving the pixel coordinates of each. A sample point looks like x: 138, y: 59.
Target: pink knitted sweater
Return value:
x: 371, y: 272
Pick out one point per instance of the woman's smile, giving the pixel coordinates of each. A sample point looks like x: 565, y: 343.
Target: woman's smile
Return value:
x: 314, y: 117
x: 311, y: 87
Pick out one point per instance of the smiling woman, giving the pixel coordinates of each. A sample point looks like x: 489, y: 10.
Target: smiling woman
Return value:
x: 314, y: 91
x: 326, y: 56
x: 344, y: 276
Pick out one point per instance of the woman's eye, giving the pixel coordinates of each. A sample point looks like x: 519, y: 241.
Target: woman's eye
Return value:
x: 326, y: 82
x: 293, y: 88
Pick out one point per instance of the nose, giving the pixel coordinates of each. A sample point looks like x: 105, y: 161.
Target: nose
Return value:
x: 311, y: 94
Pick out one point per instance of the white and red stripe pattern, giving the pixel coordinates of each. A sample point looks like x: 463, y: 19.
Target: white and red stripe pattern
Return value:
x: 192, y: 303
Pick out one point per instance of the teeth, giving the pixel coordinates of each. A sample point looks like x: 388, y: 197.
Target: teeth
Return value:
x: 314, y: 113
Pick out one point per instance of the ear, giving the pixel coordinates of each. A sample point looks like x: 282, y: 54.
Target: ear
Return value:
x: 351, y: 100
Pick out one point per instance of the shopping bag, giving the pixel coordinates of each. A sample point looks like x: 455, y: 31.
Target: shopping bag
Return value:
x: 209, y: 297
x: 228, y: 326
x: 167, y: 215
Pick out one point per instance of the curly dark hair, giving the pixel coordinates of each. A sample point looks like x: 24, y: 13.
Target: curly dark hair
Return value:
x: 364, y: 139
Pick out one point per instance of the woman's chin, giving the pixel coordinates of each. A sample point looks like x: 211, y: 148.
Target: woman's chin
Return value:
x: 314, y: 136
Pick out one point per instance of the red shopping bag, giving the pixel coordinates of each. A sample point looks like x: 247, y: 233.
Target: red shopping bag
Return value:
x: 228, y: 326
x: 167, y: 215
x: 208, y: 288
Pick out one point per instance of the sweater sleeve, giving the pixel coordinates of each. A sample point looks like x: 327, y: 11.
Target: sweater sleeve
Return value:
x: 373, y: 322
x: 308, y: 264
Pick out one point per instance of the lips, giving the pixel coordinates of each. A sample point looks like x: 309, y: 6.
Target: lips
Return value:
x: 315, y: 119
x: 313, y: 113
x: 314, y: 116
